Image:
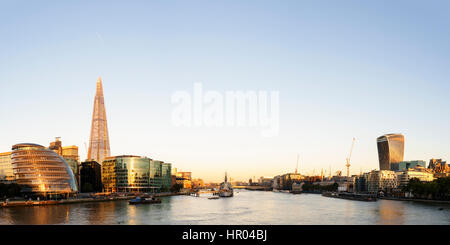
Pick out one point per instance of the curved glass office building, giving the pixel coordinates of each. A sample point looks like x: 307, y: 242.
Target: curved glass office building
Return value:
x: 390, y: 150
x: 41, y: 171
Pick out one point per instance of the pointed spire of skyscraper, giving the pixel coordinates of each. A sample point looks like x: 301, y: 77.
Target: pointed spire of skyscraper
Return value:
x: 99, y: 141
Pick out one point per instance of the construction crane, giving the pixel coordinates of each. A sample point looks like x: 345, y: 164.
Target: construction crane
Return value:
x: 348, y: 165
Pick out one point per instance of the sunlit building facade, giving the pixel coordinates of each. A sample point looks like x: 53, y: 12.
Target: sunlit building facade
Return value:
x: 99, y: 140
x: 418, y: 172
x: 135, y: 174
x: 382, y: 180
x: 402, y: 166
x: 440, y: 168
x: 6, y: 170
x: 126, y: 174
x: 70, y: 155
x: 41, y: 171
x: 390, y: 150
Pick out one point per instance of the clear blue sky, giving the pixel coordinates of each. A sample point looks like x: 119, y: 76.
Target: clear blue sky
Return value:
x: 343, y: 68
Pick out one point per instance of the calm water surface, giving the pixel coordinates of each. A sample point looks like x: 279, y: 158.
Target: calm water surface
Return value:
x: 246, y: 207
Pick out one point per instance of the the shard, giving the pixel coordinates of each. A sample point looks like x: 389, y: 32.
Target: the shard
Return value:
x: 99, y: 141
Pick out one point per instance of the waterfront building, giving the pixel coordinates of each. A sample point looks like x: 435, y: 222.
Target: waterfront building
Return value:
x: 419, y: 172
x: 70, y: 155
x: 198, y: 183
x: 286, y: 180
x: 360, y: 185
x: 265, y: 181
x: 276, y: 183
x: 402, y: 166
x: 166, y: 176
x: 174, y: 180
x: 160, y: 175
x: 183, y: 178
x: 126, y: 174
x: 90, y: 177
x: 439, y: 167
x: 390, y: 150
x: 6, y: 169
x: 135, y: 174
x: 41, y: 171
x: 185, y: 175
x: 186, y: 184
x: 99, y: 140
x: 381, y: 180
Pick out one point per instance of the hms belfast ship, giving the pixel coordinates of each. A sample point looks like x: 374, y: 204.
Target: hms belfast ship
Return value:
x: 226, y: 190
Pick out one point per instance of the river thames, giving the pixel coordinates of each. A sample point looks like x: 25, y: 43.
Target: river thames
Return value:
x: 245, y: 208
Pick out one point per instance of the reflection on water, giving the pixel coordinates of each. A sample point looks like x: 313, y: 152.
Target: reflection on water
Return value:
x: 246, y: 207
x: 391, y: 213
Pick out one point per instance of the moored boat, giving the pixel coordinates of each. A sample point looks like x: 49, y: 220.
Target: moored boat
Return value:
x: 139, y: 200
x: 351, y: 196
x: 226, y: 190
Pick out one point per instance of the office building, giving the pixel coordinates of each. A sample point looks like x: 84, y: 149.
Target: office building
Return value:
x: 160, y: 175
x: 440, y: 168
x: 166, y: 176
x: 6, y: 169
x: 265, y: 181
x: 183, y: 178
x: 390, y: 150
x: 99, y: 140
x: 402, y: 166
x: 70, y: 155
x: 361, y: 183
x: 135, y: 174
x: 41, y: 171
x: 90, y: 177
x: 286, y: 180
x: 381, y: 180
x: 418, y: 172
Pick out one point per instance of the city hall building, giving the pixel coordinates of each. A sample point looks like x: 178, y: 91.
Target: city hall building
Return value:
x: 41, y: 171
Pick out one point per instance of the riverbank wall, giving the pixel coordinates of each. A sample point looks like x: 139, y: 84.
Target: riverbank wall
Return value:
x: 415, y: 200
x: 77, y: 200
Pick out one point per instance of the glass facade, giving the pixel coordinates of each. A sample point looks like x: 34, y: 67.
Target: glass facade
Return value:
x: 90, y: 177
x: 70, y: 154
x: 99, y: 140
x: 156, y: 174
x: 41, y: 170
x: 135, y: 174
x: 405, y: 165
x: 6, y: 170
x: 166, y: 176
x: 390, y: 150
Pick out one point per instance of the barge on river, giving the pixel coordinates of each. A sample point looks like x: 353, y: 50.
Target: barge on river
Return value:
x: 351, y: 196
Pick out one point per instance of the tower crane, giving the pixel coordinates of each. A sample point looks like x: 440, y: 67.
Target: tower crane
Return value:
x: 348, y: 164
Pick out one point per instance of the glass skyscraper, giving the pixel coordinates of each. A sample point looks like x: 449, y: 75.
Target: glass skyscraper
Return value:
x: 99, y: 141
x: 390, y: 150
